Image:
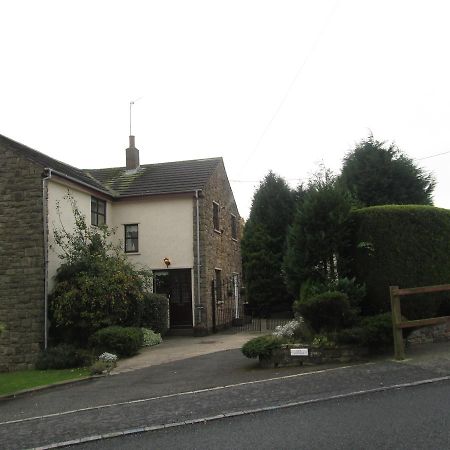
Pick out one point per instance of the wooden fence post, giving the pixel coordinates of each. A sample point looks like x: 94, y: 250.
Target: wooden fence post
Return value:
x: 399, y: 346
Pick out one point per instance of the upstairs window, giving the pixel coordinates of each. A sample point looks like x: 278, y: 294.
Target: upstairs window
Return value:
x: 131, y: 238
x: 233, y: 227
x: 216, y: 216
x: 98, y: 211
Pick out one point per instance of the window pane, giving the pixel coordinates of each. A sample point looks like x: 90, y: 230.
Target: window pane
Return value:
x: 131, y: 238
x: 101, y: 207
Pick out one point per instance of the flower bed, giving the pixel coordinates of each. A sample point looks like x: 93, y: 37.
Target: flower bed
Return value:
x: 298, y: 354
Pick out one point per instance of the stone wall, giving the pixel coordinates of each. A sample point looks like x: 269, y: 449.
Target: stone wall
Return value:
x: 218, y: 250
x: 21, y: 261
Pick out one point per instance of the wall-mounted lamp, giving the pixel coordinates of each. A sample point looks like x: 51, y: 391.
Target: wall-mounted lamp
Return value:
x: 166, y: 262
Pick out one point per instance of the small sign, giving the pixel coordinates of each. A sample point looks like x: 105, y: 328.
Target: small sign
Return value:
x: 299, y: 352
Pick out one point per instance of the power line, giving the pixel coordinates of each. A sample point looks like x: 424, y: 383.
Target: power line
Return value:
x: 432, y: 156
x: 288, y: 91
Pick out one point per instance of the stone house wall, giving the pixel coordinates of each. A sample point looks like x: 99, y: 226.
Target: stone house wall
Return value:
x: 218, y: 250
x: 21, y: 261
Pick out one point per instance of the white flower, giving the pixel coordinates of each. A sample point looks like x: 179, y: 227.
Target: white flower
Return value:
x: 108, y: 357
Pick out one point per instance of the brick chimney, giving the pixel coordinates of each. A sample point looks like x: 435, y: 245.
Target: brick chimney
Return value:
x: 132, y: 156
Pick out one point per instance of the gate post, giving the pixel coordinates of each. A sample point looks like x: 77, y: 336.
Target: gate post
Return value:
x: 399, y: 347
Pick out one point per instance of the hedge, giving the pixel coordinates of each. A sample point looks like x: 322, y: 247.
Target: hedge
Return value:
x: 122, y: 341
x: 405, y: 246
x: 155, y: 313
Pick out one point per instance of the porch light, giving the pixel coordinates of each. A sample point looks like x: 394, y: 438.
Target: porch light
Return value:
x: 166, y: 262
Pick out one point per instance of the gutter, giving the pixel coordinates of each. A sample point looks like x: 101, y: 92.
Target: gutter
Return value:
x: 199, y: 304
x: 45, y: 225
x: 76, y: 181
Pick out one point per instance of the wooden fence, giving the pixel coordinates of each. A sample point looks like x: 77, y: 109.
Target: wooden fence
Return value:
x: 398, y: 324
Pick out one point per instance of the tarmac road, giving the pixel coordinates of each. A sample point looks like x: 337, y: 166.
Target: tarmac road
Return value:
x: 402, y: 419
x: 197, y: 388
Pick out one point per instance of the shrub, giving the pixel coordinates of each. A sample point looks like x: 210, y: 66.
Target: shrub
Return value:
x: 262, y: 346
x: 96, y: 286
x: 374, y: 332
x: 406, y: 246
x: 123, y: 341
x: 328, y: 311
x: 62, y: 356
x: 378, y: 331
x: 150, y: 338
x: 155, y: 313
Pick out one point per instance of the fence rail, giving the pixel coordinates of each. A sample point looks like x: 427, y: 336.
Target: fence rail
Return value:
x: 398, y: 324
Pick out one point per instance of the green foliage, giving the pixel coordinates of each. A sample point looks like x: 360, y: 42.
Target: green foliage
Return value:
x: 122, y: 341
x: 262, y: 346
x: 377, y: 174
x: 62, y: 356
x: 263, y: 245
x: 2, y: 328
x: 405, y: 246
x: 317, y: 233
x: 96, y: 286
x: 155, y: 313
x: 328, y: 311
x: 374, y: 332
x: 150, y: 338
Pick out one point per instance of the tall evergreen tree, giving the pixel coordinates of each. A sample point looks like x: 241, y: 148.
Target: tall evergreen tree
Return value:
x: 264, y: 243
x: 380, y: 174
x: 317, y: 233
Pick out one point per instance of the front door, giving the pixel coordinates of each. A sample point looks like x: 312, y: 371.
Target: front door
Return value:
x: 176, y: 284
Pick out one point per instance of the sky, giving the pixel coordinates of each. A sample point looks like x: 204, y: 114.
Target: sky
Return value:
x: 268, y: 85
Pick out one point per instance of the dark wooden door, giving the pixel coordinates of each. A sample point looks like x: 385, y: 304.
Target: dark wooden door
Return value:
x: 176, y: 284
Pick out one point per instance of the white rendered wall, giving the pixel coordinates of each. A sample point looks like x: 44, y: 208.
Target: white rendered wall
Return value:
x: 165, y: 230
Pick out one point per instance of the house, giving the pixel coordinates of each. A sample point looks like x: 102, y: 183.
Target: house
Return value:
x: 178, y: 219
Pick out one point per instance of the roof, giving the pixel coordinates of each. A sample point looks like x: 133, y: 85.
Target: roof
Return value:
x: 153, y: 179
x: 46, y: 161
x: 150, y: 179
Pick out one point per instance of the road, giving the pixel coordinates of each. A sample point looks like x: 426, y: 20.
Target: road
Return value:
x: 406, y: 418
x: 225, y: 385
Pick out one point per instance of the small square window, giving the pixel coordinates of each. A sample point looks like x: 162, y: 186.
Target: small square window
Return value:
x: 216, y: 217
x: 131, y: 238
x: 98, y: 211
x: 233, y: 227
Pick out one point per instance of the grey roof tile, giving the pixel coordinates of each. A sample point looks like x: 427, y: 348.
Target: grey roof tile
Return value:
x: 150, y: 179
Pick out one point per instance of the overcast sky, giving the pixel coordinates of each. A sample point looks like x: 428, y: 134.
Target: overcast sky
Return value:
x: 280, y: 85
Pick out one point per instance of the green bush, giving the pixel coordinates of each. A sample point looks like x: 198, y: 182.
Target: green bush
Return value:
x: 328, y: 311
x: 122, y: 341
x: 378, y: 333
x: 62, y: 356
x: 96, y: 286
x: 405, y: 246
x: 155, y: 313
x: 374, y: 332
x: 262, y: 346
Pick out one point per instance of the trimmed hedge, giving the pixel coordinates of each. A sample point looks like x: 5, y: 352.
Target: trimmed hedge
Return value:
x: 155, y: 313
x: 262, y: 346
x: 122, y: 341
x: 328, y: 311
x: 405, y: 246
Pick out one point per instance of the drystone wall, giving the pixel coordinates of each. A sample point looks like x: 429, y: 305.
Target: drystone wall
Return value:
x: 21, y: 261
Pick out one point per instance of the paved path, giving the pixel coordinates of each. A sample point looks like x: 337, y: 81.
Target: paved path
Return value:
x: 176, y: 348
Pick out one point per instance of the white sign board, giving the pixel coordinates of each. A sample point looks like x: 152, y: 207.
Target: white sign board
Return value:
x: 299, y: 352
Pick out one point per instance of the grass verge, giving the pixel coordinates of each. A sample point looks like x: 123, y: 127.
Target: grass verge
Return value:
x: 11, y: 382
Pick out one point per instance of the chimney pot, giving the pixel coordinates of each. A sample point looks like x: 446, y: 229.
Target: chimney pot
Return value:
x: 132, y: 156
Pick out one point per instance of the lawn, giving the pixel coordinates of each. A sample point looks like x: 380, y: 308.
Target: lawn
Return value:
x: 11, y: 382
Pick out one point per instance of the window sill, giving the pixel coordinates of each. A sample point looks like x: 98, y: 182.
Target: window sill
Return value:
x: 132, y: 253
x: 217, y: 231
